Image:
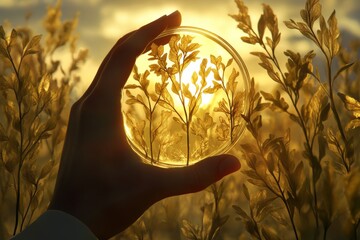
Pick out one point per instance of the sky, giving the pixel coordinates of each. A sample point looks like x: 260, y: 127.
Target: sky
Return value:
x: 102, y: 22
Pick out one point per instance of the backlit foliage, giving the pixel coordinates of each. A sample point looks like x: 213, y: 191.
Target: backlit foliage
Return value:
x: 279, y: 165
x: 300, y: 176
x: 35, y: 89
x: 176, y: 100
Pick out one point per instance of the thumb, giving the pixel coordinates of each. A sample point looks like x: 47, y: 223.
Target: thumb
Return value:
x: 197, y: 177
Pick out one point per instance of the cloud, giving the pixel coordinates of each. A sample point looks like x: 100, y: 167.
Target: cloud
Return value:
x: 15, y: 3
x: 102, y: 22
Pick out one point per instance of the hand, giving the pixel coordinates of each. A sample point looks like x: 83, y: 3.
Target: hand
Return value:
x: 100, y: 180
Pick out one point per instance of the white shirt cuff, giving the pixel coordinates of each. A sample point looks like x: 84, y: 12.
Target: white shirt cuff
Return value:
x: 56, y: 225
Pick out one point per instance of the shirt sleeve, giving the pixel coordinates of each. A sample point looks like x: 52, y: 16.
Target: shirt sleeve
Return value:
x: 56, y: 225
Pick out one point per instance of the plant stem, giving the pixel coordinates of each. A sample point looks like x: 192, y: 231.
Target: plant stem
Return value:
x: 28, y: 207
x: 281, y: 195
x: 150, y: 130
x: 19, y: 103
x: 231, y: 108
x: 302, y: 125
x: 336, y: 115
x: 331, y: 97
x: 283, y: 198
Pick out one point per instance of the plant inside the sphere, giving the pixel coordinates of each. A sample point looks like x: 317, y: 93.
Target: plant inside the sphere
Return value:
x: 186, y: 105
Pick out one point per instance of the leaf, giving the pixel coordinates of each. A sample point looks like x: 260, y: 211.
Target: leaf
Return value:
x: 241, y: 212
x: 334, y: 33
x: 33, y: 46
x: 229, y: 62
x: 267, y: 96
x: 257, y: 122
x: 13, y: 37
x: 194, y: 78
x: 250, y: 40
x: 131, y: 86
x: 189, y: 231
x: 343, y: 68
x: 231, y: 84
x: 304, y: 15
x: 154, y: 97
x: 246, y: 192
x: 131, y: 101
x: 351, y: 104
x: 325, y: 112
x: 45, y: 135
x: 291, y: 24
x: 175, y: 87
x: 176, y: 119
x: 2, y: 32
x: 186, y: 91
x: 355, y: 123
x: 261, y: 26
x: 191, y: 47
x: 46, y: 169
x: 3, y: 50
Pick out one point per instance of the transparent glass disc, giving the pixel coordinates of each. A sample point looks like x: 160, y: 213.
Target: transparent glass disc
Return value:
x: 184, y: 100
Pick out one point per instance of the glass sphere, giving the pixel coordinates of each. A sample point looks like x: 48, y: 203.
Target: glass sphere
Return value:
x: 184, y: 100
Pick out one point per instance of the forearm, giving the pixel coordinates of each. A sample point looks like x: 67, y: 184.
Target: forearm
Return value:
x: 56, y: 225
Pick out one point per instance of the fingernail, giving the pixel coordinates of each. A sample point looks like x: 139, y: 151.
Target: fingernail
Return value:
x: 228, y: 165
x: 174, y: 13
x: 175, y: 16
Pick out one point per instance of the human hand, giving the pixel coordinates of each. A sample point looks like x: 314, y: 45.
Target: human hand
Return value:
x: 101, y: 181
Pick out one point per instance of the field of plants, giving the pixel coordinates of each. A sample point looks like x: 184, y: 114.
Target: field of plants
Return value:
x: 300, y: 154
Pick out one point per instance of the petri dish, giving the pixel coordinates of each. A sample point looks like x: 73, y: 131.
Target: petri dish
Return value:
x: 184, y: 99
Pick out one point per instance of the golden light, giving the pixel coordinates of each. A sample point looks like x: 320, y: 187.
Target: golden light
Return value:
x: 184, y: 100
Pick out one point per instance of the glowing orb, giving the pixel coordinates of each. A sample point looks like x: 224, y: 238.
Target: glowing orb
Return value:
x: 184, y: 100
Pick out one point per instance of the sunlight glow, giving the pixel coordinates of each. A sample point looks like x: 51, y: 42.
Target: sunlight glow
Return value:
x: 184, y: 100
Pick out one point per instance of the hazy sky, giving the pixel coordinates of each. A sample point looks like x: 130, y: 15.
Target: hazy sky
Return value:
x: 102, y: 22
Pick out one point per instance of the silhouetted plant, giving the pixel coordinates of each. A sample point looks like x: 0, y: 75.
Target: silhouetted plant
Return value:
x: 35, y: 92
x: 212, y: 220
x: 271, y: 164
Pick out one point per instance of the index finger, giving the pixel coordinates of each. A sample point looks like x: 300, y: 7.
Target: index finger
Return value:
x: 122, y: 60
